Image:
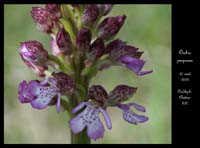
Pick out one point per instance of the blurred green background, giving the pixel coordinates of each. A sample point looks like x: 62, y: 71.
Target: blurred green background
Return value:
x: 147, y: 27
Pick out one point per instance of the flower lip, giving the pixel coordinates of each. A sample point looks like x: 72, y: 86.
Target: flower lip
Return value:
x: 89, y: 118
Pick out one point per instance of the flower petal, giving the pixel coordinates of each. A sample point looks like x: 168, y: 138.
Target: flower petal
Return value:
x: 97, y: 93
x: 43, y: 94
x: 138, y: 107
x: 134, y: 65
x: 120, y: 93
x: 77, y: 124
x: 58, y: 103
x: 63, y: 82
x: 41, y: 102
x: 132, y: 117
x: 124, y: 106
x: 88, y: 118
x: 106, y: 118
x: 45, y: 81
x: 24, y: 95
x: 34, y: 88
x: 78, y: 107
x: 95, y: 129
x: 144, y: 72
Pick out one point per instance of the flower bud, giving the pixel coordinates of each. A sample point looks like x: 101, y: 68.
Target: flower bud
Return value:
x: 120, y: 93
x: 110, y: 26
x: 63, y: 41
x: 43, y: 19
x: 105, y: 8
x: 54, y: 9
x: 96, y: 49
x: 83, y: 40
x: 35, y: 56
x: 90, y: 15
x: 33, y: 51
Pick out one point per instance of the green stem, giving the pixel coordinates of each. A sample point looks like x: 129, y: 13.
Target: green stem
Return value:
x: 66, y: 65
x: 92, y: 70
x: 83, y: 83
x: 67, y: 107
x: 62, y: 65
x: 68, y: 27
x: 80, y: 138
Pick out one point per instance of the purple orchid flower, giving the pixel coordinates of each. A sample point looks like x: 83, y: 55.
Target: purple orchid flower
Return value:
x: 40, y: 94
x: 125, y: 55
x: 122, y: 93
x: 98, y: 101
